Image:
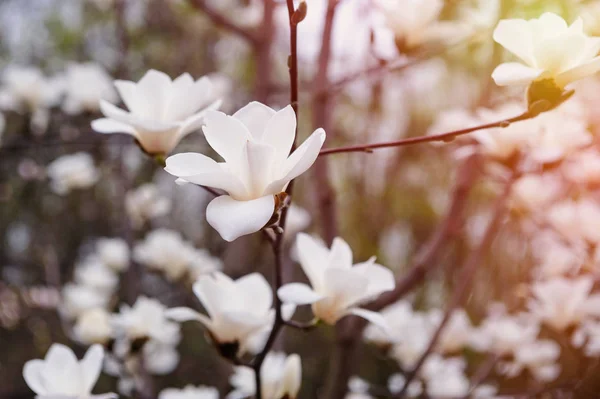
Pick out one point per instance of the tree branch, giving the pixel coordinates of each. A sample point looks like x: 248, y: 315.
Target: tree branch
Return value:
x: 223, y: 22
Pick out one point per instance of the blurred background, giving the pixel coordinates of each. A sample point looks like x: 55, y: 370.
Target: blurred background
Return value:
x: 70, y: 197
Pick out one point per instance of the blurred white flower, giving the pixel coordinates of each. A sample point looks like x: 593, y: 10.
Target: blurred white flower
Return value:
x: 535, y: 192
x: 85, y: 85
x: 74, y: 171
x: 238, y: 311
x: 26, y: 89
x: 94, y: 274
x: 539, y: 358
x: 457, y: 333
x: 281, y: 377
x: 577, y: 220
x: 160, y: 358
x: 445, y: 377
x: 255, y: 143
x: 61, y: 375
x: 114, y: 253
x: 161, y: 111
x: 397, y: 381
x: 583, y: 167
x: 145, y: 203
x: 146, y: 319
x: 204, y: 263
x: 549, y: 49
x: 93, y: 327
x: 165, y: 251
x: 189, y: 392
x: 77, y: 299
x: 338, y: 287
x: 561, y: 302
x: 297, y: 220
x: 398, y: 316
x: 503, y: 334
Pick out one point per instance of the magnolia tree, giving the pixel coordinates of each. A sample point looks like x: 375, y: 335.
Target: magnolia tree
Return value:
x: 495, y: 297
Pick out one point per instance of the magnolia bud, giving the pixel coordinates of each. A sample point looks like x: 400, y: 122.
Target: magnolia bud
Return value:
x: 300, y: 13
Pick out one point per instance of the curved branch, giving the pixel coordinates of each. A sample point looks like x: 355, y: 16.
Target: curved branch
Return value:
x: 223, y: 22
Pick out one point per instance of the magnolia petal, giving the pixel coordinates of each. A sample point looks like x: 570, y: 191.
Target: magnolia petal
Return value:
x: 280, y: 133
x: 129, y: 94
x: 346, y: 286
x: 110, y: 395
x: 287, y: 311
x: 155, y: 88
x: 513, y: 73
x: 214, y: 292
x: 106, y: 125
x: 195, y: 121
x: 579, y: 72
x: 300, y: 160
x: 292, y: 377
x: 32, y: 373
x: 149, y: 125
x: 381, y: 279
x: 373, y: 317
x: 255, y: 116
x: 233, y: 219
x: 312, y: 255
x: 183, y: 314
x: 60, y: 356
x: 515, y: 35
x: 299, y: 294
x: 226, y: 135
x: 91, y: 366
x: 340, y: 255
x: 202, y: 170
x: 258, y: 166
x: 255, y: 292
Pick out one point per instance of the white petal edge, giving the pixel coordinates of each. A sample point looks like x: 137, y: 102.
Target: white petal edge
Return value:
x: 91, y: 366
x: 513, y: 73
x: 373, y: 317
x: 233, y: 219
x: 299, y: 294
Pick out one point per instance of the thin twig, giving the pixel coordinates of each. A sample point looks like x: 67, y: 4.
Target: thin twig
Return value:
x: 449, y: 136
x: 223, y: 22
x: 482, y: 372
x: 464, y: 280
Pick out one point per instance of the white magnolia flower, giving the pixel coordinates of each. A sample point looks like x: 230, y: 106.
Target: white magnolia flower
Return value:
x: 396, y: 384
x: 160, y: 358
x: 548, y: 48
x: 161, y: 111
x: 76, y: 299
x: 189, y: 392
x: 61, y: 376
x: 114, y: 253
x: 145, y: 203
x: 93, y: 327
x: 445, y: 377
x: 239, y: 312
x: 576, y: 219
x: 504, y: 334
x: 540, y: 358
x: 338, y: 287
x: 95, y: 274
x: 146, y: 319
x: 561, y: 302
x: 166, y: 251
x: 85, y: 85
x: 204, y: 263
x: 27, y: 89
x: 74, y: 171
x: 255, y: 143
x: 297, y: 220
x: 281, y: 377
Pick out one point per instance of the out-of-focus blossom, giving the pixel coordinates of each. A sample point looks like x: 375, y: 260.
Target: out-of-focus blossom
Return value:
x: 561, y: 302
x: 204, y: 263
x: 165, y: 251
x: 61, y: 375
x: 189, y: 392
x: 161, y: 111
x: 538, y: 357
x: 70, y: 172
x: 503, y: 334
x: 255, y: 143
x: 445, y: 377
x: 238, y: 311
x: 397, y: 381
x: 281, y: 377
x: 583, y: 167
x: 114, y: 253
x: 26, y: 89
x: 76, y: 299
x: 146, y: 319
x: 535, y: 192
x: 338, y: 287
x: 549, y: 49
x: 85, y: 85
x: 145, y: 203
x: 297, y: 220
x: 93, y: 327
x: 160, y: 358
x: 577, y: 220
x: 95, y: 274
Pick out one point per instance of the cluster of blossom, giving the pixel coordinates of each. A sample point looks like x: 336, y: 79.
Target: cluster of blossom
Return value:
x: 256, y: 145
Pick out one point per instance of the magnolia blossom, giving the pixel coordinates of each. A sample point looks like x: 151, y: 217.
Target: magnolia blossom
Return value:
x: 114, y: 253
x: 561, y: 302
x: 85, y: 85
x: 93, y: 327
x: 60, y: 375
x: 189, y: 392
x: 239, y: 312
x: 161, y: 111
x: 166, y: 251
x: 27, y: 89
x: 281, y: 377
x: 76, y: 299
x: 549, y: 50
x: 445, y: 377
x: 255, y: 143
x: 145, y: 203
x: 338, y: 287
x: 74, y: 171
x: 94, y: 274
x: 539, y: 357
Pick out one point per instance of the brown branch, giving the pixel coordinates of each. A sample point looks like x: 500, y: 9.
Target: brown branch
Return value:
x: 263, y: 49
x: 223, y: 22
x: 449, y: 136
x: 465, y: 278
